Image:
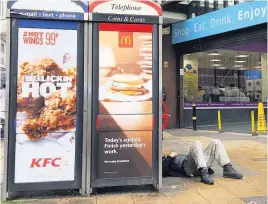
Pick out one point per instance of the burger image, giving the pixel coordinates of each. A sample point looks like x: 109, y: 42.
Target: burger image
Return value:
x: 128, y: 84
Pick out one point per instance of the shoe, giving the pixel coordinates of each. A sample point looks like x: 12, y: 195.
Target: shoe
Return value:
x: 230, y: 172
x: 205, y: 177
x: 210, y: 171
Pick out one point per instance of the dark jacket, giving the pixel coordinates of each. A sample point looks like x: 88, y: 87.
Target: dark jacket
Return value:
x: 171, y: 166
x: 166, y: 164
x: 164, y: 94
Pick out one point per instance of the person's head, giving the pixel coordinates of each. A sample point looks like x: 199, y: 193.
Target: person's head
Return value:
x: 232, y: 85
x: 3, y: 86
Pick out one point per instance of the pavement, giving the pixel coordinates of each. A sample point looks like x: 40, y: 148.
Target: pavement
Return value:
x: 237, y: 127
x: 247, y: 153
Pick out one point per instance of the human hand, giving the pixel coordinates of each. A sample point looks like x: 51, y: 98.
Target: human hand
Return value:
x: 173, y: 154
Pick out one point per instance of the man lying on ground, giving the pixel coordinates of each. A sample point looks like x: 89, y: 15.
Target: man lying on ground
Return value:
x: 198, y: 162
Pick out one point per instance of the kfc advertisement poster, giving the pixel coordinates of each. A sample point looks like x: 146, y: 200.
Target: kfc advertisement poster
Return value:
x: 46, y: 105
x: 125, y: 120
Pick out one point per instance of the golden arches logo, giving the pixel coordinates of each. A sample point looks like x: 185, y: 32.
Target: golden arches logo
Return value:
x: 125, y: 40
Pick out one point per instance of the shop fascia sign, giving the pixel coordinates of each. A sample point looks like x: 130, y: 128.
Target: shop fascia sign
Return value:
x: 127, y: 11
x: 232, y: 18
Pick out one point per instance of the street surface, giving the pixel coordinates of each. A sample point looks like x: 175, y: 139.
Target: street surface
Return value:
x: 248, y: 154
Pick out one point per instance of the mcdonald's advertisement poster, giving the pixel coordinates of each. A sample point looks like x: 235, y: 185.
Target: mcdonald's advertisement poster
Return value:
x: 125, y: 120
x: 46, y: 105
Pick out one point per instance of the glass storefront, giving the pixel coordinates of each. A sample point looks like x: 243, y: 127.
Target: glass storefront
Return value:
x: 229, y: 77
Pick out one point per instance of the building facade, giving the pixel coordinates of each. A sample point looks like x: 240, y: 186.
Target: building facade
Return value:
x: 217, y: 61
x: 180, y: 93
x: 3, y: 29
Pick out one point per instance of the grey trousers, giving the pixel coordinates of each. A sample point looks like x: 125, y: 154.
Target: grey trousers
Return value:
x: 199, y: 158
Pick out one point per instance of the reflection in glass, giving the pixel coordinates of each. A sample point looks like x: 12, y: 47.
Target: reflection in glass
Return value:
x: 225, y: 76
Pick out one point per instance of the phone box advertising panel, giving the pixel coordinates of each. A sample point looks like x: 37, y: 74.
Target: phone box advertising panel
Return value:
x: 46, y: 105
x: 125, y: 120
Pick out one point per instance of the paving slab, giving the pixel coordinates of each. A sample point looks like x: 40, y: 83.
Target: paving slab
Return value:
x: 173, y: 185
x: 157, y: 199
x: 35, y: 201
x: 119, y: 199
x: 226, y: 200
x: 240, y: 188
x: 78, y: 200
x: 187, y: 197
x: 209, y: 191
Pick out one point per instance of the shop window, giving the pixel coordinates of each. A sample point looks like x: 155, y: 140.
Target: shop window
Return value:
x: 231, y: 2
x: 225, y: 78
x: 220, y: 4
x: 211, y: 3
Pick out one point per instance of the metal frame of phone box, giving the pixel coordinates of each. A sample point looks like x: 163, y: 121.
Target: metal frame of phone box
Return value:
x: 87, y: 33
x: 96, y: 181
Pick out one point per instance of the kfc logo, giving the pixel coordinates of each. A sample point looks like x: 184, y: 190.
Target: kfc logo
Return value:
x: 44, y: 162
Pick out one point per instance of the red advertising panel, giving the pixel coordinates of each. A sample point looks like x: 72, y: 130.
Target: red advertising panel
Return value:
x: 46, y: 105
x: 125, y: 120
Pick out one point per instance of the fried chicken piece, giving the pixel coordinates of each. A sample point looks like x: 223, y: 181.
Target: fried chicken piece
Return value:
x: 55, y: 101
x: 72, y: 73
x: 46, y: 67
x: 32, y: 105
x: 49, y: 121
x: 25, y: 69
x: 53, y: 113
x: 58, y: 114
x: 50, y: 66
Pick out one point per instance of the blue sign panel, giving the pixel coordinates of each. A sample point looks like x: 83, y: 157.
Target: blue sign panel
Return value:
x: 234, y: 17
x: 253, y: 74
